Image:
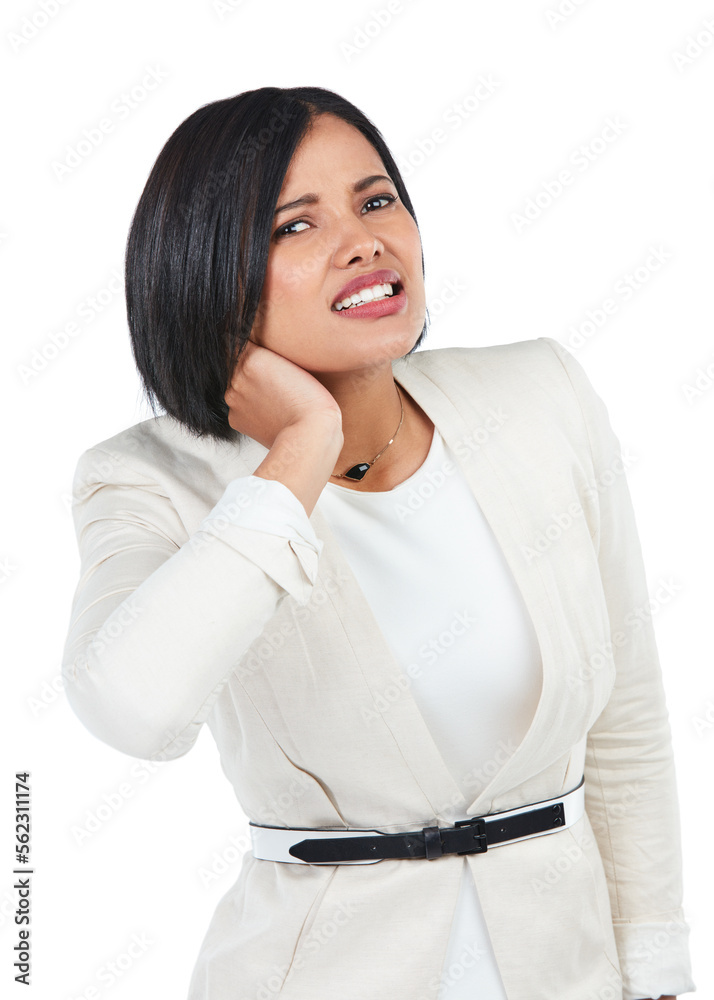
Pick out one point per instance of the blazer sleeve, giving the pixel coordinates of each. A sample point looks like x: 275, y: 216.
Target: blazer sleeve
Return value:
x: 156, y: 627
x: 630, y: 784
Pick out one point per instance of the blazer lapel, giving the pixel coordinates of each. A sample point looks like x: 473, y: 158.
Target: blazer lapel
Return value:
x: 493, y: 491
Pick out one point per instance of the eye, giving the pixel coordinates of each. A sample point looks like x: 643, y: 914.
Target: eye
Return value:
x: 287, y: 229
x: 381, y: 197
x: 284, y: 230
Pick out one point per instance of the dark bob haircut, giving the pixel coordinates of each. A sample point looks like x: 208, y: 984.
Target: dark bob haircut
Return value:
x: 197, y: 248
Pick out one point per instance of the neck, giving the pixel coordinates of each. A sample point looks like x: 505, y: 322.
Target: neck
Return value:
x: 371, y: 410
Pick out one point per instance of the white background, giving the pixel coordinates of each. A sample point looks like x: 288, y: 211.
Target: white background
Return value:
x: 142, y: 875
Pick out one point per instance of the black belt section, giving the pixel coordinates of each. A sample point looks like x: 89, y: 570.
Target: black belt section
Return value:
x: 468, y: 836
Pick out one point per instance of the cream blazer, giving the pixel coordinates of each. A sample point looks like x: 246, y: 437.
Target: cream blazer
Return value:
x: 183, y: 617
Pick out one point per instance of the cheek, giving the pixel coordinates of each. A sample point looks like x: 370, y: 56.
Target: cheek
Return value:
x: 290, y: 319
x: 289, y: 290
x: 410, y: 248
x: 416, y: 247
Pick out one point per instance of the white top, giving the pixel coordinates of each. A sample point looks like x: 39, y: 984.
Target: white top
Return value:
x: 450, y: 610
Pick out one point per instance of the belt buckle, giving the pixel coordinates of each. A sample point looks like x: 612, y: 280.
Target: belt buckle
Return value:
x: 479, y: 825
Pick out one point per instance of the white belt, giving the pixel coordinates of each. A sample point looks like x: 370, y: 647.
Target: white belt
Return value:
x: 475, y: 836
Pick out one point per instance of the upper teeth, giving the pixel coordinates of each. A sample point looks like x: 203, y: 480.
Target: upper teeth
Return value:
x: 364, y: 295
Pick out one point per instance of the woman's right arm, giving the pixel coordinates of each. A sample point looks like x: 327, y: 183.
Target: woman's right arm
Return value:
x: 156, y: 627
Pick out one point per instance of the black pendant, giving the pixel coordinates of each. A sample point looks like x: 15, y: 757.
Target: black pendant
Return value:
x: 357, y: 471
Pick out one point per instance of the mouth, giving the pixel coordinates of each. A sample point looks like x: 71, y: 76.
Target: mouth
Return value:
x: 389, y: 298
x: 378, y: 292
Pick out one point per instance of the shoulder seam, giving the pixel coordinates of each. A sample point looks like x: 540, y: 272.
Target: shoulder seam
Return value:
x: 116, y: 459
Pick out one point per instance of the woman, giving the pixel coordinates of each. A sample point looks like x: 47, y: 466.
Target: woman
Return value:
x: 395, y: 585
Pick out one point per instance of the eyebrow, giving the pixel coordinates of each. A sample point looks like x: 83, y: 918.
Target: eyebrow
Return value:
x: 311, y: 198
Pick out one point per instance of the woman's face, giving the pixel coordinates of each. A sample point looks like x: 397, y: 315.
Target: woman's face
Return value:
x: 316, y: 248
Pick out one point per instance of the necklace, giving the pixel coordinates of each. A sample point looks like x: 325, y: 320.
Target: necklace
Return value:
x: 360, y: 470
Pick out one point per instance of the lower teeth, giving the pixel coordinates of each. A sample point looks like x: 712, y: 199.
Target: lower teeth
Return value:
x: 356, y: 305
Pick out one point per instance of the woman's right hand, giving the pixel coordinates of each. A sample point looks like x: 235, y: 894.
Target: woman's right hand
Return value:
x: 269, y: 393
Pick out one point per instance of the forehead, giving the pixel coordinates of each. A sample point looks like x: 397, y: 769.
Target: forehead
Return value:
x: 331, y: 147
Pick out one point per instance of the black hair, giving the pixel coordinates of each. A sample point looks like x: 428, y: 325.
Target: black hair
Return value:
x: 197, y: 248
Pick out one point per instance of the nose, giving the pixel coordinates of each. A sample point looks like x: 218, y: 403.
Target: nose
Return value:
x: 355, y: 242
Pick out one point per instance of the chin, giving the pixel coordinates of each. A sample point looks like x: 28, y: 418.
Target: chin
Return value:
x: 362, y: 347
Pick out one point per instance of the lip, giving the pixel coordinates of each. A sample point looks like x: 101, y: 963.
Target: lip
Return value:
x: 395, y: 303
x: 381, y: 277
